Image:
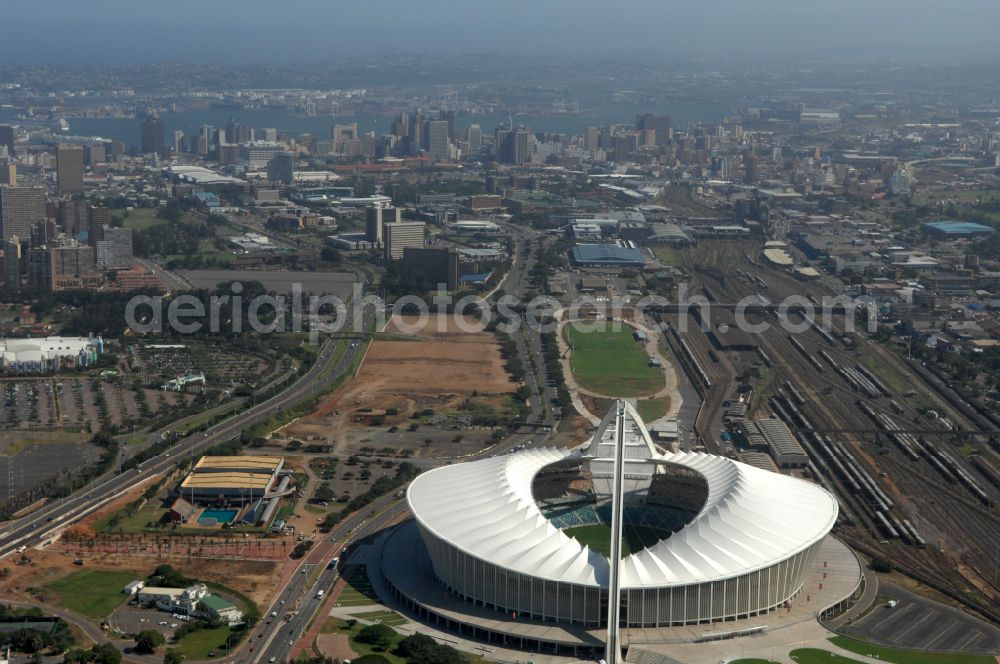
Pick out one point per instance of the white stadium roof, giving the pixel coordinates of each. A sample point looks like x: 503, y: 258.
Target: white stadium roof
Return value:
x: 751, y: 518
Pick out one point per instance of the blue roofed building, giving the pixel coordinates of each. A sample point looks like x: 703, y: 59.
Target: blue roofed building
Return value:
x: 619, y: 254
x: 957, y: 229
x: 208, y: 198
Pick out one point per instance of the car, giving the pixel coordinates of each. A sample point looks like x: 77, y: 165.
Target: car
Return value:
x: 274, y: 614
x: 291, y: 643
x: 173, y: 625
x: 273, y: 659
x: 282, y: 602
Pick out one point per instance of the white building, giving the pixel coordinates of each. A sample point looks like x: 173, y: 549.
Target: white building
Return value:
x: 45, y: 354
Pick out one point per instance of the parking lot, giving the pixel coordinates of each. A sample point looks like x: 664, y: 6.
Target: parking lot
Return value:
x: 133, y: 619
x: 916, y: 622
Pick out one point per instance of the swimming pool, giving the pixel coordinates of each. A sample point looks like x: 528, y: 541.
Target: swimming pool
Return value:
x: 214, y: 517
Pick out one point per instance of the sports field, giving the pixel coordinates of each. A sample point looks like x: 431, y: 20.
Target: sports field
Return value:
x: 94, y: 593
x: 598, y: 537
x: 611, y: 362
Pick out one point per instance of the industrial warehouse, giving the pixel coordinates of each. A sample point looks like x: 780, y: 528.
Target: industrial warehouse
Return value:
x: 704, y: 539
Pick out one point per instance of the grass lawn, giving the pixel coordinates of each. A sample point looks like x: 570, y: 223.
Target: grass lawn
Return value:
x: 598, y: 538
x: 17, y: 440
x: 359, y: 591
x: 611, y: 363
x: 94, y: 593
x: 199, y: 643
x: 900, y: 656
x: 140, y: 218
x: 652, y: 409
x: 386, y: 617
x: 338, y: 626
x: 817, y: 656
x: 151, y: 512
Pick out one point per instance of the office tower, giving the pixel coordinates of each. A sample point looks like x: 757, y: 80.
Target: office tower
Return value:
x: 342, y: 135
x: 69, y: 168
x: 591, y: 138
x: 152, y: 134
x: 52, y: 266
x: 237, y: 133
x: 281, y: 168
x: 7, y: 139
x: 227, y: 154
x: 449, y: 117
x: 178, y: 145
x: 658, y: 123
x: 375, y: 220
x: 114, y: 249
x: 269, y: 134
x: 475, y: 138
x: 437, y: 265
x: 415, y: 133
x: 97, y: 219
x: 199, y: 145
x: 8, y: 173
x: 12, y: 262
x: 20, y: 207
x: 73, y: 216
x: 437, y: 140
x: 511, y: 145
x: 400, y: 235
x: 95, y: 153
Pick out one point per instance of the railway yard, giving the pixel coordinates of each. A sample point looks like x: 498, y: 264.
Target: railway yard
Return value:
x: 913, y: 466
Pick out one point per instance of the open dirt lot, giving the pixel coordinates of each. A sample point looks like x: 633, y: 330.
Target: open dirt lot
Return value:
x: 439, y: 368
x: 254, y: 578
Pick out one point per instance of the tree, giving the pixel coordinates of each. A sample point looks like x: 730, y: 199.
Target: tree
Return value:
x: 882, y: 565
x: 422, y: 649
x: 172, y: 657
x: 148, y: 640
x: 378, y: 636
x: 371, y: 658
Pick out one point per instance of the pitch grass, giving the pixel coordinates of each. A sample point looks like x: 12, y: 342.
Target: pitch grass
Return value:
x: 611, y: 362
x: 197, y: 644
x: 901, y: 656
x: 93, y: 593
x: 598, y: 538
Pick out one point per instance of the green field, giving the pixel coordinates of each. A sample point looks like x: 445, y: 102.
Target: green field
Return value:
x: 139, y: 218
x: 359, y: 591
x: 386, y: 617
x: 598, y: 538
x: 197, y: 644
x: 94, y: 593
x: 611, y: 363
x: 652, y: 409
x: 900, y: 656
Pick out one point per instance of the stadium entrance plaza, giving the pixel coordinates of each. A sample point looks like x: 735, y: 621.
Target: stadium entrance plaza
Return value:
x: 400, y: 572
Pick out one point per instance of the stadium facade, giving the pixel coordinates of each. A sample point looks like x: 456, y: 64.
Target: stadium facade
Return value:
x: 732, y: 541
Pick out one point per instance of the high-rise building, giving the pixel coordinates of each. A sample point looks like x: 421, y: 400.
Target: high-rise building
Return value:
x: 97, y: 218
x: 281, y: 168
x: 257, y: 154
x: 153, y: 137
x: 8, y: 172
x: 899, y: 181
x: 114, y: 250
x: 20, y: 208
x: 7, y: 139
x: 375, y: 220
x: 342, y: 136
x: 511, y: 145
x: 73, y: 216
x: 52, y: 267
x: 178, y: 145
x: 658, y: 123
x: 437, y: 265
x: 591, y: 138
x: 69, y: 168
x: 437, y: 140
x: 475, y: 138
x: 95, y: 153
x: 12, y: 262
x: 400, y: 235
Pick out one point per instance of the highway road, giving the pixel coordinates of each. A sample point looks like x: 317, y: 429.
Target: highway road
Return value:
x: 42, y: 524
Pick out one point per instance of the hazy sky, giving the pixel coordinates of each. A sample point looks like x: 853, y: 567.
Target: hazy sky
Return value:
x: 281, y: 31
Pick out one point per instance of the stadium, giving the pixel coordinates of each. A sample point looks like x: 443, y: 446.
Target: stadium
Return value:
x: 705, y: 538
